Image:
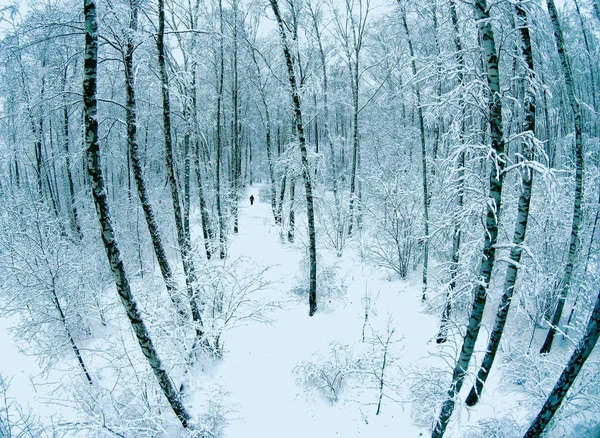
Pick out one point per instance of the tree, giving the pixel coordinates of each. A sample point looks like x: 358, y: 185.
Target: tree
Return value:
x: 522, y: 215
x: 579, y: 162
x: 577, y: 360
x: 99, y: 193
x: 491, y: 224
x: 295, y: 95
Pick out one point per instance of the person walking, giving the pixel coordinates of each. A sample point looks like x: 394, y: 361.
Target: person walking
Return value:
x: 251, y: 199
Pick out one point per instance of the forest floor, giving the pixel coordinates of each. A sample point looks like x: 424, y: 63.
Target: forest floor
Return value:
x: 257, y: 372
x: 255, y: 384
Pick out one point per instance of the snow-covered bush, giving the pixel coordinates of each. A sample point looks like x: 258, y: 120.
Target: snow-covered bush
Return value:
x: 503, y: 427
x: 535, y: 375
x: 331, y: 286
x: 393, y: 240
x: 327, y: 373
x: 228, y: 296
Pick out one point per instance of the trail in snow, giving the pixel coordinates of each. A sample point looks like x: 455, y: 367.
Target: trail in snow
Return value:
x: 257, y: 368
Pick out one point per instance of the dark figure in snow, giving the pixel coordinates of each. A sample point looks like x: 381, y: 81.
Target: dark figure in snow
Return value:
x: 251, y: 199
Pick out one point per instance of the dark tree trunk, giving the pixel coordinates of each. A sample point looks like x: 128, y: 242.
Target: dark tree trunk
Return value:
x: 582, y: 352
x: 182, y: 238
x: 579, y: 162
x: 522, y: 214
x: 312, y: 246
x: 96, y: 180
x: 138, y: 175
x: 413, y: 65
x: 493, y: 211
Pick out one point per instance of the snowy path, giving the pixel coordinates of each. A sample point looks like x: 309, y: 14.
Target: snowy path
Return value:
x: 258, y: 363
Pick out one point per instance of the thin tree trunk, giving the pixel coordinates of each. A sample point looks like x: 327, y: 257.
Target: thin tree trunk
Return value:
x: 579, y: 162
x: 413, y: 65
x: 522, y: 214
x: 138, y: 175
x: 63, y: 320
x: 312, y: 246
x: 74, y: 214
x: 457, y: 232
x: 236, y: 146
x: 582, y: 352
x: 102, y: 210
x: 292, y: 214
x: 220, y: 213
x: 327, y: 134
x: 182, y: 238
x: 493, y: 211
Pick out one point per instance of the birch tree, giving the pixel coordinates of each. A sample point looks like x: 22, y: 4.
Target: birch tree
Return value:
x: 579, y: 160
x: 491, y: 223
x: 295, y: 95
x: 99, y: 194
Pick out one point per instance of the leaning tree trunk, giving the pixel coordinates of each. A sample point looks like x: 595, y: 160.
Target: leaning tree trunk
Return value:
x: 493, y: 211
x: 579, y: 159
x: 413, y: 65
x: 522, y: 214
x: 182, y: 237
x: 312, y: 246
x: 582, y: 352
x: 457, y: 232
x: 131, y: 120
x: 74, y: 346
x: 94, y: 168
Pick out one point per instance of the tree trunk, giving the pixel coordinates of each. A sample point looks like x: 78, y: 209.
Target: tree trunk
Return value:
x: 522, y: 214
x: 138, y: 175
x: 182, y: 238
x: 102, y: 210
x: 493, y: 211
x: 220, y: 213
x: 413, y: 65
x: 582, y: 352
x: 74, y: 214
x: 312, y: 247
x: 457, y: 232
x: 327, y: 134
x: 579, y: 162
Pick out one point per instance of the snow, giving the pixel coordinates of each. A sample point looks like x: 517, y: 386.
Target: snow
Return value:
x: 256, y: 372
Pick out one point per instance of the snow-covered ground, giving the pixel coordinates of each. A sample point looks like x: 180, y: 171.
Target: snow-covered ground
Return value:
x: 256, y: 374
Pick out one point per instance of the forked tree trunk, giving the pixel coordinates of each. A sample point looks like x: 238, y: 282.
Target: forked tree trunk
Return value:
x: 312, y: 245
x: 491, y: 224
x: 582, y: 352
x: 579, y: 160
x: 94, y: 168
x: 522, y: 215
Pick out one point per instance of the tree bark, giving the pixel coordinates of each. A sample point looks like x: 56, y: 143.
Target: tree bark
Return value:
x: 312, y: 247
x: 522, y: 214
x: 577, y: 360
x: 493, y: 211
x: 413, y: 65
x: 220, y: 213
x: 99, y: 194
x: 182, y: 237
x: 138, y: 175
x: 457, y: 232
x: 579, y: 164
